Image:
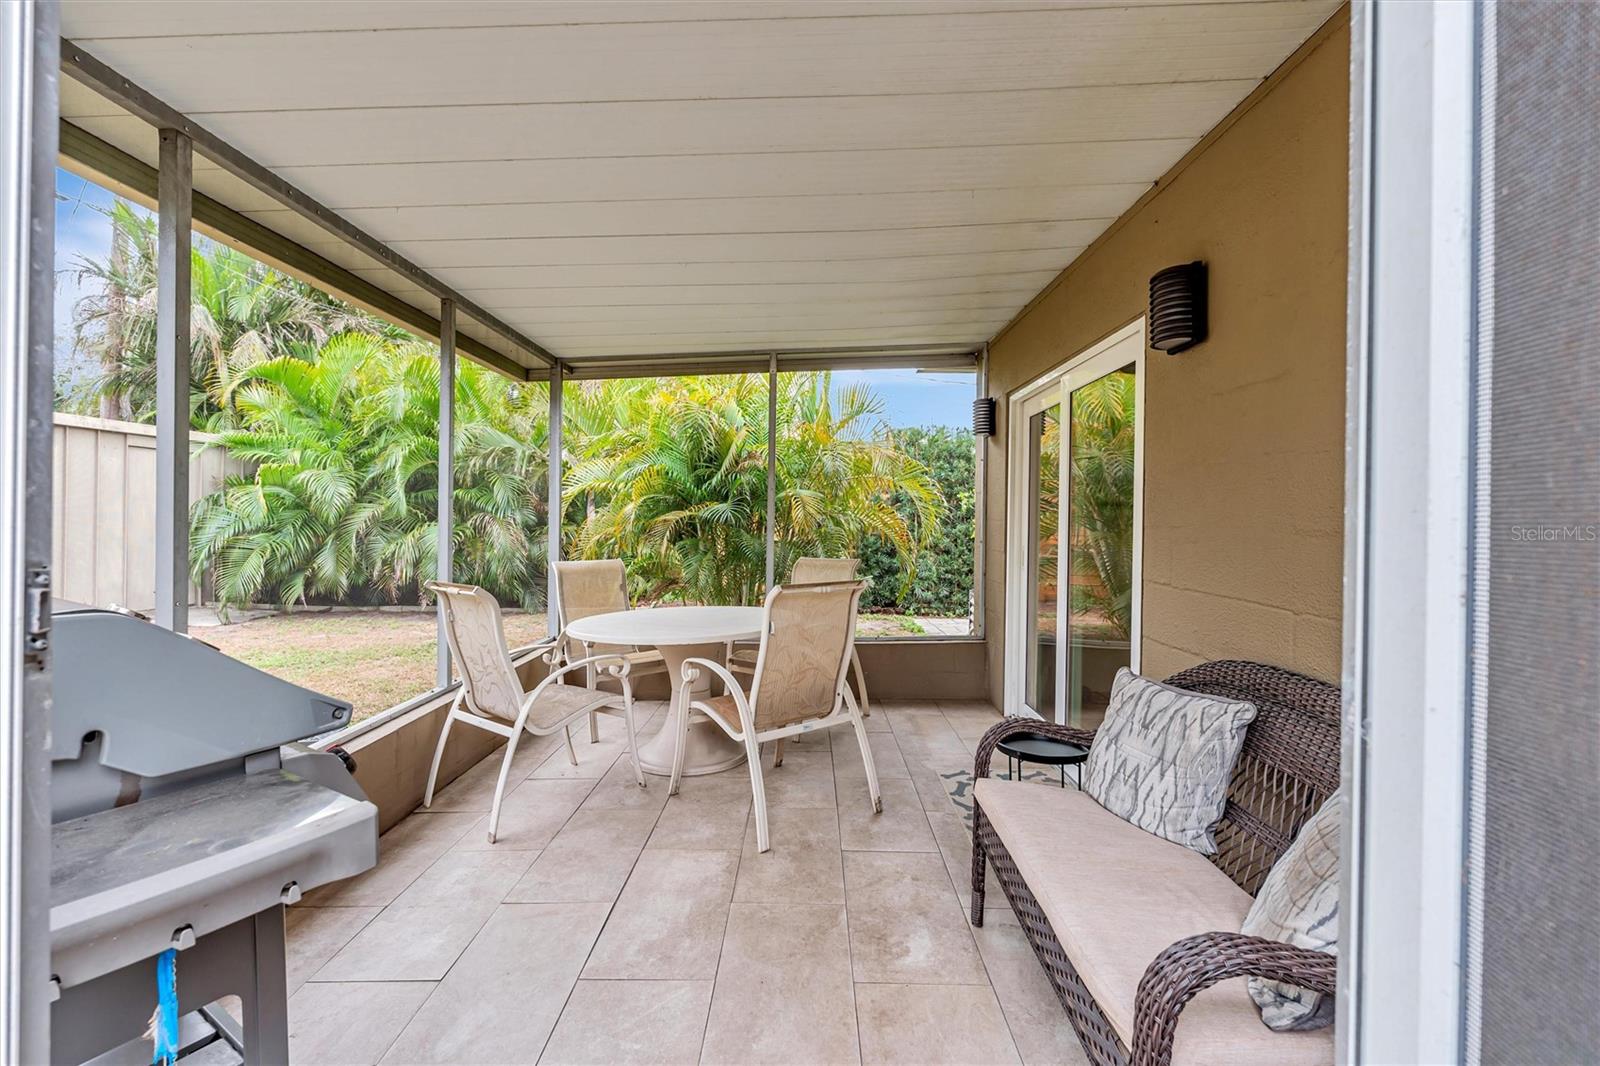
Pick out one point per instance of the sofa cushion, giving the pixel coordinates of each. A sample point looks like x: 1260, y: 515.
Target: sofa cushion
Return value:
x: 1299, y: 904
x: 1117, y: 896
x: 1163, y: 757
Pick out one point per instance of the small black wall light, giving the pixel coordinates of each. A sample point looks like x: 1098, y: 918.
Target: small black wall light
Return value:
x: 983, y: 416
x: 1178, y: 308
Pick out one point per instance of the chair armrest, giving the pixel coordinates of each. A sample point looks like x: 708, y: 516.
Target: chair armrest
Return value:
x: 1011, y: 726
x: 1196, y: 963
x: 615, y: 665
x: 691, y: 674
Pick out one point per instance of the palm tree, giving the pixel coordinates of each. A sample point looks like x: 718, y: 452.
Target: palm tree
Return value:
x: 242, y: 312
x: 1100, y: 535
x: 501, y: 497
x: 342, y: 502
x: 297, y: 526
x: 677, y: 473
x: 676, y: 469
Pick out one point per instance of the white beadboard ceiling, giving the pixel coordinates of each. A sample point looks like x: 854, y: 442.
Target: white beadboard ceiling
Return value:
x: 624, y: 179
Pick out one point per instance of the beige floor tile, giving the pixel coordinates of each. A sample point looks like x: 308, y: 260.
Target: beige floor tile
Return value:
x: 594, y: 759
x: 530, y: 816
x: 730, y: 786
x: 902, y: 825
x: 997, y: 911
x: 804, y: 864
x: 404, y: 852
x: 1038, y: 1024
x: 955, y: 846
x: 935, y: 744
x: 876, y: 721
x: 474, y: 790
x: 971, y: 721
x: 313, y: 935
x: 917, y: 1024
x: 630, y: 1022
x: 886, y: 757
x: 619, y: 790
x: 407, y: 944
x: 350, y: 1024
x: 696, y: 824
x: 906, y: 924
x: 589, y: 860
x: 932, y: 777
x: 467, y: 877
x: 783, y: 989
x: 669, y: 921
x: 502, y: 998
x: 804, y: 780
x: 907, y: 715
x: 928, y: 737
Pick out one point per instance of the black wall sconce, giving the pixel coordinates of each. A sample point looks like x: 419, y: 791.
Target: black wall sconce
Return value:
x: 983, y: 416
x: 1178, y: 308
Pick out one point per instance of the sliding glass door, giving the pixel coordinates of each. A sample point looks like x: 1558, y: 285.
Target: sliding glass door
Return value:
x: 1044, y: 527
x: 1074, y: 571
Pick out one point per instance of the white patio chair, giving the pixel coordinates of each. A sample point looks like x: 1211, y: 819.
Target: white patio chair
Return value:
x: 491, y: 696
x: 587, y: 587
x: 807, y: 635
x: 809, y: 570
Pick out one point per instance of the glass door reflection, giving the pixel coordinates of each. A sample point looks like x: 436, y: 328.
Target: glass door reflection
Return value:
x: 1044, y: 534
x: 1099, y: 536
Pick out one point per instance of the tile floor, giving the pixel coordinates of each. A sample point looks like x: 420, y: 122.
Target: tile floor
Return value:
x: 611, y: 924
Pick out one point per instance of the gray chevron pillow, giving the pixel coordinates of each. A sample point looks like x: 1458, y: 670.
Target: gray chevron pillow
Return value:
x: 1163, y: 758
x: 1299, y: 904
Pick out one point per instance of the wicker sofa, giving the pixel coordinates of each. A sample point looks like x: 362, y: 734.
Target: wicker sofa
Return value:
x: 1131, y: 928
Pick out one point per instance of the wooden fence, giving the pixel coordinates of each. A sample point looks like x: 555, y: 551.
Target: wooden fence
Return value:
x: 104, y: 509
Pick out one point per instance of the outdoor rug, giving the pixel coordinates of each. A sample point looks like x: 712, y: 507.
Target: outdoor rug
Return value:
x: 958, y: 785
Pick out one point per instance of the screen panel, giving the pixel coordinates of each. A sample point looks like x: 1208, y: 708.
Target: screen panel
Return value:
x: 1534, y: 926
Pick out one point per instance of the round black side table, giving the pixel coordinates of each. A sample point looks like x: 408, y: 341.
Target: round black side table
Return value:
x: 1020, y: 748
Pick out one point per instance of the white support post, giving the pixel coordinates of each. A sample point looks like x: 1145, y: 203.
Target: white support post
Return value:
x: 175, y: 195
x: 772, y: 468
x: 445, y: 547
x: 1408, y: 505
x: 980, y: 503
x: 553, y: 452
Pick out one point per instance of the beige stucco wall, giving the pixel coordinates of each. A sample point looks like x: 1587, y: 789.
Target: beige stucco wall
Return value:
x: 1244, y: 435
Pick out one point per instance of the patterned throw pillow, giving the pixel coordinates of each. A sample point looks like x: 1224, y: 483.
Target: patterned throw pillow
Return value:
x: 1299, y: 904
x: 1163, y: 758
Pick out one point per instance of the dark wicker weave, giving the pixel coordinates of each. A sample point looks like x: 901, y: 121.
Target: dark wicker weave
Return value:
x: 1289, y: 765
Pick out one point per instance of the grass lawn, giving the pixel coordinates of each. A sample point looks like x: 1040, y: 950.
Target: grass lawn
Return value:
x: 376, y: 659
x: 887, y: 625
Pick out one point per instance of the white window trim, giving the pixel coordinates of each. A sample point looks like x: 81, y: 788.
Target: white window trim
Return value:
x: 1017, y: 518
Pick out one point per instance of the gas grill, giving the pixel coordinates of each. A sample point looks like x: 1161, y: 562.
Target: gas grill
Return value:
x: 187, y: 816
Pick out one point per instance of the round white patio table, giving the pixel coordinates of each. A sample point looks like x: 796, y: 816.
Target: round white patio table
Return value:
x: 680, y: 633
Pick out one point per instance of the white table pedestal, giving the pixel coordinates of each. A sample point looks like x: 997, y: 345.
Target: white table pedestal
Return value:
x: 708, y: 750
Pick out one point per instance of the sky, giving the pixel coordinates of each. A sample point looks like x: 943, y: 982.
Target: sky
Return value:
x: 910, y: 398
x: 82, y: 231
x: 918, y: 398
